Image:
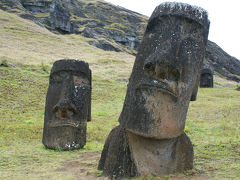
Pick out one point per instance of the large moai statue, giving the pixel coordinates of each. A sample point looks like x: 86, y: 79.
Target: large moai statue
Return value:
x: 206, y: 79
x: 68, y: 105
x: 150, y: 139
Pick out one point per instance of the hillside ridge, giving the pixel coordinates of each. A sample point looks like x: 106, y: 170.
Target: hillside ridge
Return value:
x: 108, y: 27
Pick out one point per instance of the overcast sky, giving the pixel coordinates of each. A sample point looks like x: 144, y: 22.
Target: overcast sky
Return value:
x: 223, y: 15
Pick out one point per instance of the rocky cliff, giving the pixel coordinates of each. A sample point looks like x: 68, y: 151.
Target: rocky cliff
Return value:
x: 222, y: 63
x: 108, y: 27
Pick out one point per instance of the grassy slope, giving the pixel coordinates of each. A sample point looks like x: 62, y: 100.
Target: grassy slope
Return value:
x: 212, y: 122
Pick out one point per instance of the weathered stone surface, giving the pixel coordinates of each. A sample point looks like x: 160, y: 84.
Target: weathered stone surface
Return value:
x: 60, y: 17
x: 222, y: 63
x: 7, y: 5
x: 206, y: 79
x: 159, y: 157
x: 68, y: 105
x: 128, y: 155
x: 195, y: 89
x: 164, y: 79
x: 90, y: 33
x: 105, y: 45
x: 165, y: 72
x: 37, y: 6
x: 116, y: 160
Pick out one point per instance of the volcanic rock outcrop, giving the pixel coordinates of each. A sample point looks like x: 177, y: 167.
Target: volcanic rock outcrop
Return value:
x: 108, y: 27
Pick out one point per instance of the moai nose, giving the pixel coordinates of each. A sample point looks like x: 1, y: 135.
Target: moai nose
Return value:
x: 64, y: 111
x: 65, y: 107
x: 161, y: 71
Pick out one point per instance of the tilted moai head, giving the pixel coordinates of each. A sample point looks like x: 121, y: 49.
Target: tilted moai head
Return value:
x: 68, y: 105
x: 166, y: 71
x: 206, y: 79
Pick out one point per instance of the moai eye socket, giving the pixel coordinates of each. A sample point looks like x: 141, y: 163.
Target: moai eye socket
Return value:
x: 78, y: 80
x: 58, y: 77
x: 161, y: 72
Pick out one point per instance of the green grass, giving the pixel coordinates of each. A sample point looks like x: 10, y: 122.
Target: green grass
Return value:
x: 213, y: 121
x: 214, y: 128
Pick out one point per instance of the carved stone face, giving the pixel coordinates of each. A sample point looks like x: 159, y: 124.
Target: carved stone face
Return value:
x: 206, y: 79
x: 68, y: 105
x: 163, y: 77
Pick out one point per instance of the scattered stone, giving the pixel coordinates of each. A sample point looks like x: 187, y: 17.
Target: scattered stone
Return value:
x: 222, y: 63
x: 164, y: 78
x: 68, y: 105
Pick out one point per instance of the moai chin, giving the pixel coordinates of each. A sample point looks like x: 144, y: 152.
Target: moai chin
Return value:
x: 206, y: 78
x: 164, y: 79
x: 68, y: 105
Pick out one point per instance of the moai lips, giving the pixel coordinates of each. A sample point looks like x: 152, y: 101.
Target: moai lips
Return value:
x: 165, y: 71
x: 68, y: 105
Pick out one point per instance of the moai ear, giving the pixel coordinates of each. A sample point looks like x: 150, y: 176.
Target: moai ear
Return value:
x: 195, y: 88
x: 89, y: 106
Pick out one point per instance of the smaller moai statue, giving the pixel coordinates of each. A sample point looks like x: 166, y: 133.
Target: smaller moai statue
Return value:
x: 206, y: 79
x: 68, y: 105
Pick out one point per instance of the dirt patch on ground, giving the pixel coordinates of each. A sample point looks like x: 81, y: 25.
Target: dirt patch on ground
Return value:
x: 84, y: 167
x: 184, y: 177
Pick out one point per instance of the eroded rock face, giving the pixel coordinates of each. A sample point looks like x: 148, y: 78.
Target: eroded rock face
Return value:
x: 105, y: 45
x: 206, y: 80
x: 60, y: 18
x: 68, y: 105
x: 222, y: 63
x: 164, y: 79
x: 37, y: 6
